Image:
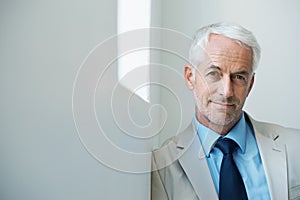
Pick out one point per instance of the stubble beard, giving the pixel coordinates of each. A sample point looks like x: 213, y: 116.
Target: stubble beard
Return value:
x: 215, y: 118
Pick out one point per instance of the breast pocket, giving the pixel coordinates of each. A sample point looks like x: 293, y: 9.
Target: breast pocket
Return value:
x: 295, y: 193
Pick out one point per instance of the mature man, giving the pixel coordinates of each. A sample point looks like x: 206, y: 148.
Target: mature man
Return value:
x: 224, y: 153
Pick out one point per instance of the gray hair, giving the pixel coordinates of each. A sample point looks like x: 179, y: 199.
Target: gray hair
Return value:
x: 230, y: 30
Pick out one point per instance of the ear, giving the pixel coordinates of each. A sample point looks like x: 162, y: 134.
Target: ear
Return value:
x: 251, y: 84
x: 189, y: 77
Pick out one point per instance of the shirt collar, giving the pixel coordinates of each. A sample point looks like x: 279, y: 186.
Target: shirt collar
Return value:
x: 208, y: 137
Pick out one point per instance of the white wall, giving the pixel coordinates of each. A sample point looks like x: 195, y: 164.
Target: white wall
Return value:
x: 275, y: 96
x: 43, y: 44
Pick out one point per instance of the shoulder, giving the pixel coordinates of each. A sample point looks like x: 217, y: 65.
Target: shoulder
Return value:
x: 274, y: 130
x: 173, y: 148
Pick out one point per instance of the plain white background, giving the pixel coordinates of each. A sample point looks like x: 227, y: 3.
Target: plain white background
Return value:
x: 42, y: 44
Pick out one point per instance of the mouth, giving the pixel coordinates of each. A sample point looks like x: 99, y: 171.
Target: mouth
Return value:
x: 223, y: 104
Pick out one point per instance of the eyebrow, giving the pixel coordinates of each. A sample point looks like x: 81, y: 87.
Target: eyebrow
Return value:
x: 214, y: 67
x: 244, y: 72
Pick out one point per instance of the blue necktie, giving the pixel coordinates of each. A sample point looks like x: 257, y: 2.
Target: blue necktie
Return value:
x: 231, y: 185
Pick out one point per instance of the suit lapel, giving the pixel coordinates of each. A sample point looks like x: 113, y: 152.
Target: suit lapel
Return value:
x: 198, y: 172
x: 273, y: 157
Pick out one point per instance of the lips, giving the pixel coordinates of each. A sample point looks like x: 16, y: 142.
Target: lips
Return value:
x: 223, y: 104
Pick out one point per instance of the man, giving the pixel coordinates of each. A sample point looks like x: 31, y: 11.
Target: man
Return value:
x: 224, y: 153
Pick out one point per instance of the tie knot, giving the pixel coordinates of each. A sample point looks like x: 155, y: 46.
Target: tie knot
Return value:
x: 226, y: 145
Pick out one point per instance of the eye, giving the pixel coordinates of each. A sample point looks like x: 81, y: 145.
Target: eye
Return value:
x: 213, y: 76
x: 239, y: 77
x: 213, y: 73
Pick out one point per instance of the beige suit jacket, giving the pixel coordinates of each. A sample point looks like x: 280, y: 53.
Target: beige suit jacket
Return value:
x: 180, y: 170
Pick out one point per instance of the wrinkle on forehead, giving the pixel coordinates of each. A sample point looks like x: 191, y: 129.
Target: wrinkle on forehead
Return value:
x: 230, y: 58
x: 226, y: 51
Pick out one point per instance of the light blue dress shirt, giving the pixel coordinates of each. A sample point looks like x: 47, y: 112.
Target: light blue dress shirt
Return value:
x: 247, y: 157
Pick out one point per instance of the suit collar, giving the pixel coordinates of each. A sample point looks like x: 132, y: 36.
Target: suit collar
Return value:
x: 273, y: 156
x: 198, y: 173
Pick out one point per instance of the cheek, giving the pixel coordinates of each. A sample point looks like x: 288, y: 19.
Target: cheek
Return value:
x: 202, y: 92
x: 241, y: 96
x: 201, y: 96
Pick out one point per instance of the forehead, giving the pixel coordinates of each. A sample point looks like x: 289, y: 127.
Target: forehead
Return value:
x: 216, y: 42
x: 225, y: 51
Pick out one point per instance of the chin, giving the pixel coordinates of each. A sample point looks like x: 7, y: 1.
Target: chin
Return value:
x: 221, y: 123
x: 223, y: 120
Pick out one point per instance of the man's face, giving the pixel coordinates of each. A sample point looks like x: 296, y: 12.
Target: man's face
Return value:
x: 222, y: 81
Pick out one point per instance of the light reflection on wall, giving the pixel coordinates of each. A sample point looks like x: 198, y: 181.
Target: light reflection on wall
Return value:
x: 134, y: 14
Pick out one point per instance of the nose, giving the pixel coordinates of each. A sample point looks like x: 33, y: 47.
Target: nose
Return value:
x: 227, y: 87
